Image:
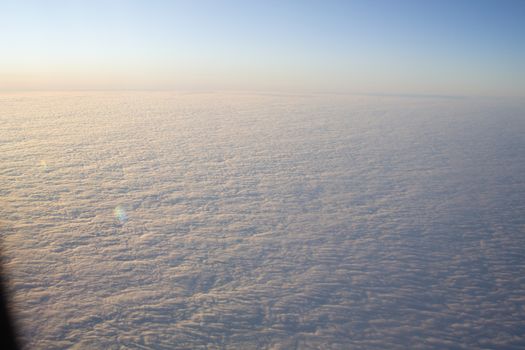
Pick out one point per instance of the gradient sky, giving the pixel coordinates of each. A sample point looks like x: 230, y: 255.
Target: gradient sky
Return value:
x: 456, y: 47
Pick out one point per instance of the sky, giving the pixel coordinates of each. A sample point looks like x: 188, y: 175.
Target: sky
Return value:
x: 387, y: 47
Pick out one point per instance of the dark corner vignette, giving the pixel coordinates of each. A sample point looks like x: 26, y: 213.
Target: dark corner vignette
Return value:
x: 8, y: 339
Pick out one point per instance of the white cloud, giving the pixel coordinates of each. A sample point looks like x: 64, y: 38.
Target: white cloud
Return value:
x: 263, y: 221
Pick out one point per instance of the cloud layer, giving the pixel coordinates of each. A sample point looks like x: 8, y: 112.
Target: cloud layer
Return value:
x: 162, y: 220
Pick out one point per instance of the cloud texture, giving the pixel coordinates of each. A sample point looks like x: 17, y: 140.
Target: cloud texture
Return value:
x: 220, y: 221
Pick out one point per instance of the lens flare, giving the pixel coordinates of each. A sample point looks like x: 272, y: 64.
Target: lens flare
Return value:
x: 43, y: 165
x: 120, y: 214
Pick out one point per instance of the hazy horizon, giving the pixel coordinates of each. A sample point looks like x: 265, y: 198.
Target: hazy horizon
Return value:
x: 386, y: 47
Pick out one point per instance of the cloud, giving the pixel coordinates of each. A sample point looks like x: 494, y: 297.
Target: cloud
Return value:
x: 169, y: 220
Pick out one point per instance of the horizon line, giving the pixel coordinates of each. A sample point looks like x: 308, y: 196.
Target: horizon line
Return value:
x: 264, y: 92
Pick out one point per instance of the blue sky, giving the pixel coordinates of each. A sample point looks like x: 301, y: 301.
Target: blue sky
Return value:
x: 427, y: 47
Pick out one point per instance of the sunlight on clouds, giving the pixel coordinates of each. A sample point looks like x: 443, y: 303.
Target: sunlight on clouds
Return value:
x: 168, y: 220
